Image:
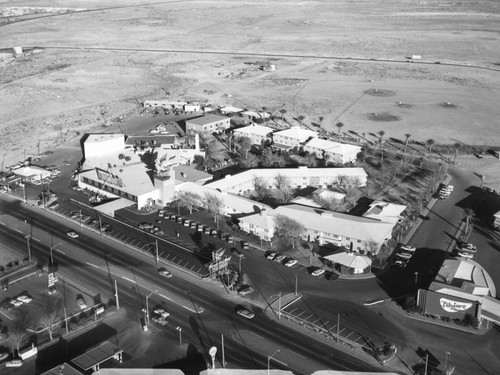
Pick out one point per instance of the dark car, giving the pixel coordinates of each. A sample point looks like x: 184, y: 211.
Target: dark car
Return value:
x: 245, y: 245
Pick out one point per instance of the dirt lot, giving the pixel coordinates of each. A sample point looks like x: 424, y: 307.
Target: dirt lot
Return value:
x: 55, y: 95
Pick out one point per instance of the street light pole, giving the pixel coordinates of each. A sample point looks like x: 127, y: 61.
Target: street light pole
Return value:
x: 147, y: 305
x: 426, y: 363
x: 52, y: 252
x: 296, y: 285
x: 416, y: 278
x: 28, y: 239
x: 269, y: 360
x: 446, y: 362
x: 279, y: 307
x: 180, y: 335
x: 116, y: 297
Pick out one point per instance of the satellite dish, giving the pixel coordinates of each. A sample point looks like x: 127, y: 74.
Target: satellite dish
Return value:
x: 212, y: 351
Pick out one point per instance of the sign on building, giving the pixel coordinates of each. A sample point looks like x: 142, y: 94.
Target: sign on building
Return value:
x: 440, y: 304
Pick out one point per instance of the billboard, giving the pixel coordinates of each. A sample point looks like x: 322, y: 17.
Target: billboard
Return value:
x: 445, y: 305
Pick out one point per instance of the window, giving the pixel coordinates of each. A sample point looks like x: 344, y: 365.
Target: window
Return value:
x: 347, y: 239
x: 359, y: 241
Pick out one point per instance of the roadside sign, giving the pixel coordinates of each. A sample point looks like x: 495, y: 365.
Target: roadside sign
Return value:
x: 52, y: 279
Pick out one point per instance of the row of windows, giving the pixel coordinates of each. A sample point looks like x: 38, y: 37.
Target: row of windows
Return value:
x: 111, y: 189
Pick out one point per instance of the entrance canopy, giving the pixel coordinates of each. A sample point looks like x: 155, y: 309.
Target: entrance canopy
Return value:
x: 352, y: 260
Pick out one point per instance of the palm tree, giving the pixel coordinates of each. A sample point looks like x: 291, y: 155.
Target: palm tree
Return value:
x: 301, y: 118
x: 468, y: 212
x: 381, y: 134
x: 456, y: 146
x: 282, y: 111
x: 407, y: 135
x: 339, y: 126
x: 321, y: 118
x: 430, y: 143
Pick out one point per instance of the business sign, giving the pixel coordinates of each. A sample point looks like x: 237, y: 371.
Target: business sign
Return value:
x: 445, y: 305
x: 52, y: 279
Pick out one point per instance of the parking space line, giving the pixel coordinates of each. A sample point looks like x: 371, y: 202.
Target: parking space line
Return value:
x: 316, y: 321
x: 302, y: 312
x: 92, y: 265
x: 308, y: 317
x: 126, y: 278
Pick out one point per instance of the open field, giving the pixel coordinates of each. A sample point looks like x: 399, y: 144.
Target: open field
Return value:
x: 54, y: 96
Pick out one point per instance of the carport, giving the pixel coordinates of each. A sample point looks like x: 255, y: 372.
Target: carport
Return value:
x: 92, y: 358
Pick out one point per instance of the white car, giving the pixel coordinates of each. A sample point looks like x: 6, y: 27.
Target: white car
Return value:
x: 408, y: 248
x: 3, y: 356
x: 271, y: 256
x: 463, y: 254
x: 14, y: 363
x: 318, y: 272
x: 165, y: 273
x: 72, y: 234
x: 81, y: 303
x: 468, y: 247
x: 280, y: 258
x: 15, y: 302
x: 245, y: 313
x: 404, y: 255
x: 162, y: 313
x: 291, y: 263
x: 24, y: 299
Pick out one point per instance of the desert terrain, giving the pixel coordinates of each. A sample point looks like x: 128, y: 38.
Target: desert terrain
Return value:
x: 85, y: 63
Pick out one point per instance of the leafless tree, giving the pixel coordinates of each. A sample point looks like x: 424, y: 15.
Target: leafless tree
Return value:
x: 50, y: 313
x: 407, y: 136
x: 282, y: 184
x: 245, y: 144
x: 188, y: 199
x: 288, y: 228
x: 214, y: 205
x: 260, y: 187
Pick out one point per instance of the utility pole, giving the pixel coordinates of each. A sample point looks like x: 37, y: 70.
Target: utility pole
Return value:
x: 426, y: 363
x: 279, y: 307
x: 223, y: 353
x: 116, y: 297
x: 180, y: 335
x: 66, y: 320
x: 296, y: 285
x: 446, y: 362
x: 338, y: 327
x: 156, y: 248
x: 100, y: 225
x: 28, y: 238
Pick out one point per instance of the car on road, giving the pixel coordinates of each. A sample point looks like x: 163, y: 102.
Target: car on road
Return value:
x: 280, y: 258
x: 290, y: 263
x: 4, y: 356
x: 24, y: 298
x: 165, y: 273
x: 230, y: 239
x: 245, y: 245
x: 193, y: 225
x: 81, y: 303
x: 318, y: 272
x: 180, y: 219
x: 245, y: 289
x: 72, y: 234
x: 271, y: 255
x: 245, y: 313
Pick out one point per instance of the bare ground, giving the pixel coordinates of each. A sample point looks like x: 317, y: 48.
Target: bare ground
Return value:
x: 54, y: 96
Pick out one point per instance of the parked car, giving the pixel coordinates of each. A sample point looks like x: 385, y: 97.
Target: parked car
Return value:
x: 403, y: 255
x: 199, y: 228
x: 24, y: 298
x: 207, y: 230
x: 4, y: 356
x: 14, y: 363
x: 162, y: 312
x: 467, y: 247
x: 245, y: 313
x: 464, y: 254
x: 172, y: 217
x: 108, y: 228
x: 165, y: 273
x: 280, y: 258
x: 408, y: 248
x: 318, y: 272
x: 271, y: 255
x: 400, y: 263
x: 72, y: 234
x: 214, y: 233
x: 15, y: 302
x: 52, y: 290
x: 180, y: 220
x: 161, y: 213
x: 245, y: 289
x: 230, y: 239
x: 81, y: 303
x: 159, y: 320
x: 290, y: 263
x: 244, y: 245
x: 145, y: 226
x: 187, y: 223
x: 193, y: 225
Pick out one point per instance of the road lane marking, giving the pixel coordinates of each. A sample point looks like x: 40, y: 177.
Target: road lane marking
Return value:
x: 177, y: 303
x: 6, y: 315
x: 126, y: 278
x: 92, y: 265
x: 60, y: 251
